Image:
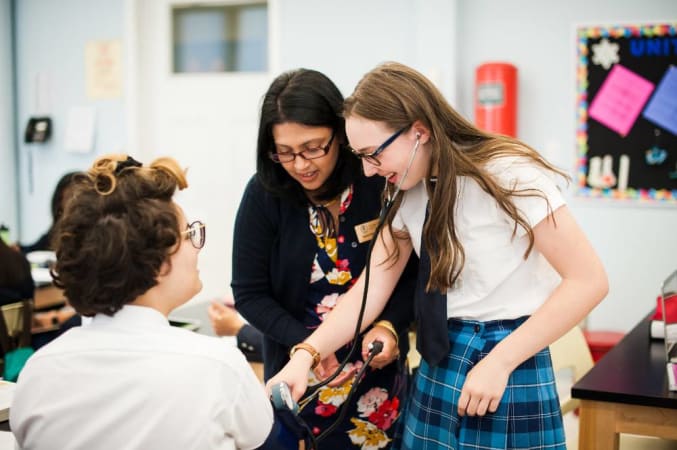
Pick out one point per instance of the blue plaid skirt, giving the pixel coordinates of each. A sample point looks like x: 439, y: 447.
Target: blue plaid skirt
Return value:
x: 528, y: 416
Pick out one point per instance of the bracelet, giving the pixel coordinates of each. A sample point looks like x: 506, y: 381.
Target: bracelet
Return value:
x: 310, y: 349
x: 388, y: 326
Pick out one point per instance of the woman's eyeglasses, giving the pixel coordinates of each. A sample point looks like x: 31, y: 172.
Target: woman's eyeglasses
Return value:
x: 197, y: 233
x: 309, y: 153
x: 371, y: 157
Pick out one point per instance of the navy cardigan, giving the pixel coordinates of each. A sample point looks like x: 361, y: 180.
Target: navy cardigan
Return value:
x: 273, y: 252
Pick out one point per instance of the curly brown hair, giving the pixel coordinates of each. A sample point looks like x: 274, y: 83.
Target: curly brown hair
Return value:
x: 117, y: 229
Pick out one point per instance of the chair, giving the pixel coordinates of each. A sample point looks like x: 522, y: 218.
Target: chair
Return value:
x: 413, y: 357
x: 15, y: 328
x: 571, y: 353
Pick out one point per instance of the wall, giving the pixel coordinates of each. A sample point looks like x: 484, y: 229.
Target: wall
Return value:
x: 8, y: 196
x: 209, y: 121
x: 446, y: 40
x: 363, y: 34
x: 50, y: 43
x: 637, y: 244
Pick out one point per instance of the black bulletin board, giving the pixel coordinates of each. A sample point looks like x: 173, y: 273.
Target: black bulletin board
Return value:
x: 626, y: 133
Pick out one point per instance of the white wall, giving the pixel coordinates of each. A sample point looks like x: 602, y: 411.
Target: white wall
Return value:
x: 209, y: 121
x: 346, y: 39
x: 638, y: 244
x: 50, y: 41
x: 445, y: 39
x: 8, y: 194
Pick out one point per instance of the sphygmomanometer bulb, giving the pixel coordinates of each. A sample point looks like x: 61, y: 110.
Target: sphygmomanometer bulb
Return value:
x: 375, y: 347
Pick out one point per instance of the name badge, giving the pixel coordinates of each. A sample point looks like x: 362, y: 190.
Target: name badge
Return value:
x: 365, y: 231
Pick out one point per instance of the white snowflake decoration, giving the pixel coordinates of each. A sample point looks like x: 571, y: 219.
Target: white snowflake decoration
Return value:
x: 605, y: 54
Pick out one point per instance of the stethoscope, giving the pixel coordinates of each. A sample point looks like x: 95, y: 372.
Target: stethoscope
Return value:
x: 280, y: 393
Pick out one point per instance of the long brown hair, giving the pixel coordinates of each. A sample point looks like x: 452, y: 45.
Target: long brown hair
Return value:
x: 398, y: 96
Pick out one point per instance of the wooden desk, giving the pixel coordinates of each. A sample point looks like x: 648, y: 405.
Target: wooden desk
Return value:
x: 626, y: 392
x: 48, y: 296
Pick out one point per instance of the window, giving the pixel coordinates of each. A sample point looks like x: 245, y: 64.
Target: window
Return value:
x: 220, y: 38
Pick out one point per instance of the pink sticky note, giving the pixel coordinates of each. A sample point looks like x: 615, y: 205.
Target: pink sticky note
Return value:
x: 620, y: 99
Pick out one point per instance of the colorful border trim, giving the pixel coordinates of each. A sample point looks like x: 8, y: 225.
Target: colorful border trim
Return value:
x: 582, y: 36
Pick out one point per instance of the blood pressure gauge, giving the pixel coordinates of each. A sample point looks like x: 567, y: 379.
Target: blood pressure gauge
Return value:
x: 282, y: 399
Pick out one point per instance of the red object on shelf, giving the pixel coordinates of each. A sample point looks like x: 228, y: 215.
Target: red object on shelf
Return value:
x: 600, y: 342
x: 672, y: 308
x: 496, y: 98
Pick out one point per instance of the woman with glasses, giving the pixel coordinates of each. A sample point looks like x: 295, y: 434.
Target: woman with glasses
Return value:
x: 301, y: 236
x: 127, y: 256
x: 505, y: 269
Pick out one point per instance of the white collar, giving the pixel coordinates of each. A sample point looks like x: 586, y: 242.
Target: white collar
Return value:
x: 132, y: 316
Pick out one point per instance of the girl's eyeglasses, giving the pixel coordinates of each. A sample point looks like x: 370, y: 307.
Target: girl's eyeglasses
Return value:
x: 371, y: 158
x: 197, y: 233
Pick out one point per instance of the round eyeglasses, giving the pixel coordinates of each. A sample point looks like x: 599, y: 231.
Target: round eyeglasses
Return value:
x: 309, y: 153
x: 197, y: 233
x: 371, y: 158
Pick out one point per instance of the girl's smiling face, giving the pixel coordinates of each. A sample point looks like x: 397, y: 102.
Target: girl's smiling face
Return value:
x: 365, y: 136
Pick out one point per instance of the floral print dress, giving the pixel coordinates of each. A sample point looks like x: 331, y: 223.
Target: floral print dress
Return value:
x: 370, y: 420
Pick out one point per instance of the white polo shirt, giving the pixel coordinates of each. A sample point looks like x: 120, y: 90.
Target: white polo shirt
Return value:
x: 496, y: 281
x: 132, y: 381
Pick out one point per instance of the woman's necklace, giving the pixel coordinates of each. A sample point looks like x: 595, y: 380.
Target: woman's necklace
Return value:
x: 329, y: 203
x: 326, y: 217
x: 324, y: 205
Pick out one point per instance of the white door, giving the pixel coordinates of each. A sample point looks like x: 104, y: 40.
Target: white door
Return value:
x: 208, y: 122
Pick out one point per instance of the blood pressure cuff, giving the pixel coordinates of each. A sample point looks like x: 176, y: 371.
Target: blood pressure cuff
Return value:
x: 287, y: 431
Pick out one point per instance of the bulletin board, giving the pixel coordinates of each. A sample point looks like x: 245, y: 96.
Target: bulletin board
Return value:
x: 626, y: 131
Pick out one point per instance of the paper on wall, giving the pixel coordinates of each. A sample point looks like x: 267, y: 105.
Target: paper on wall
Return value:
x: 80, y: 129
x: 103, y: 69
x: 620, y: 99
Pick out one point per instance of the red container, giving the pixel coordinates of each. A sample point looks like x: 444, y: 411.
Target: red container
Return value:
x: 600, y: 342
x: 496, y: 98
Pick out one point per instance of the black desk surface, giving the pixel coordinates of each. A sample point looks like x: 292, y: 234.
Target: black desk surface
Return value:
x: 631, y: 372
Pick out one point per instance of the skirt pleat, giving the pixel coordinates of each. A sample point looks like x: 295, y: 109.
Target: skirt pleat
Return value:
x: 528, y: 416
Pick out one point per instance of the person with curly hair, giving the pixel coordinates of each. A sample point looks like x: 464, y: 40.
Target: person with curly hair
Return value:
x: 127, y: 256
